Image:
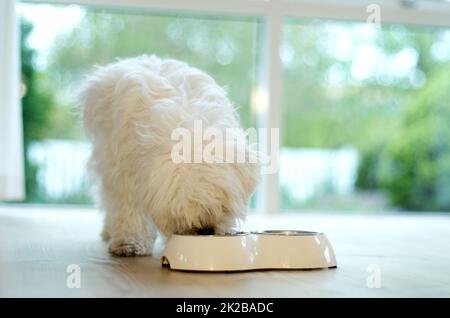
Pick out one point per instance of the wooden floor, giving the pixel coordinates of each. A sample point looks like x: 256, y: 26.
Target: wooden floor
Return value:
x: 411, y: 251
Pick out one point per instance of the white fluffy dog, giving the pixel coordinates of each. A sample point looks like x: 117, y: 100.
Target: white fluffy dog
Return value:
x: 130, y: 109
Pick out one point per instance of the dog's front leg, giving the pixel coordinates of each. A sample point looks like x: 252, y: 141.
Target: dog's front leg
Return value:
x: 132, y: 233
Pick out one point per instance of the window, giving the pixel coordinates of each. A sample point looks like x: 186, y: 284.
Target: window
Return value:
x: 64, y: 49
x: 364, y: 110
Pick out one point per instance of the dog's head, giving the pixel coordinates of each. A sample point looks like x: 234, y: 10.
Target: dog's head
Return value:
x: 200, y: 198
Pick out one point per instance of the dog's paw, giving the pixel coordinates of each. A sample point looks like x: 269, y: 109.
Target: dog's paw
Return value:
x: 130, y: 246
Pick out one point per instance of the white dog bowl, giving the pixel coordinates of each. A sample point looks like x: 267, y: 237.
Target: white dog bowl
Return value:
x: 249, y: 251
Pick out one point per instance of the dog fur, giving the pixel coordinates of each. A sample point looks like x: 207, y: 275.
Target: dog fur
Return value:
x: 129, y: 110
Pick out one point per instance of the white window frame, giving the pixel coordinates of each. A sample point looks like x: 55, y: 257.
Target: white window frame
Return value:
x: 12, y: 181
x: 272, y: 13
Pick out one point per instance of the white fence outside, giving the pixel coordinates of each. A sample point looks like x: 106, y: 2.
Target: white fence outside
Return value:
x: 62, y: 166
x: 307, y: 173
x: 304, y: 173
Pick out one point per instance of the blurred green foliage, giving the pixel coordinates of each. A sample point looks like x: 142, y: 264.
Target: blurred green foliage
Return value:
x: 416, y: 167
x: 398, y: 126
x: 320, y: 113
x: 225, y: 48
x: 37, y: 109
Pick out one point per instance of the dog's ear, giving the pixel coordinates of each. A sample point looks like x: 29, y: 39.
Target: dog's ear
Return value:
x: 95, y: 98
x: 89, y: 100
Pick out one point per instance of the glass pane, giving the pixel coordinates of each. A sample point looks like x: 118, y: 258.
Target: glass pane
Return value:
x: 366, y: 113
x: 61, y: 43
